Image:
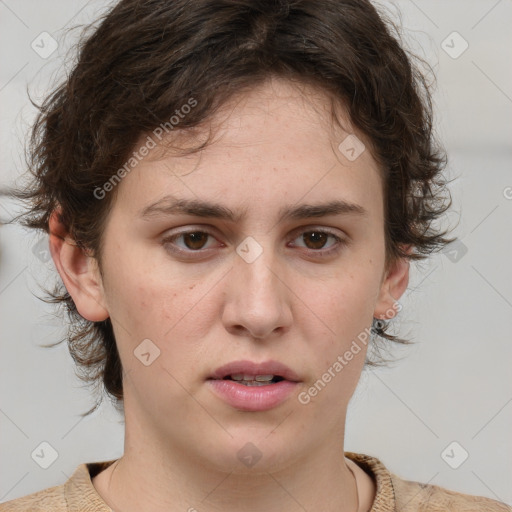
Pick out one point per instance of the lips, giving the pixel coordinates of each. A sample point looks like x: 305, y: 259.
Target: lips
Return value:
x: 247, y: 371
x: 254, y: 387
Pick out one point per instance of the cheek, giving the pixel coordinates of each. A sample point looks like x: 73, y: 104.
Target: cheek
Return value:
x: 344, y: 306
x: 341, y: 353
x: 346, y: 302
x: 167, y: 314
x: 173, y: 312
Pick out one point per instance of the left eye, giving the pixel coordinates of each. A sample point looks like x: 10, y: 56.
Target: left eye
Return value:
x: 316, y: 239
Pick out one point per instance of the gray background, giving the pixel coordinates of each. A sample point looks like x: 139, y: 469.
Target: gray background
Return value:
x: 452, y: 386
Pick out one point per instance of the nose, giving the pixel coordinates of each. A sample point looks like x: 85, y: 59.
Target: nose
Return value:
x: 258, y: 298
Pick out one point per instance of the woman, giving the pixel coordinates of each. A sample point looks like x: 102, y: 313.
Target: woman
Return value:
x: 234, y: 191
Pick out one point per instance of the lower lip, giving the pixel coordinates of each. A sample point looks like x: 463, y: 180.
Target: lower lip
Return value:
x: 252, y: 398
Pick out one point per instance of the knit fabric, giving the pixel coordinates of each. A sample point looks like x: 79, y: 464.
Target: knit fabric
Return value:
x: 393, y: 494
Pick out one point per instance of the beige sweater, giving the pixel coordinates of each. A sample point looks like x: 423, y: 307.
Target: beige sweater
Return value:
x: 393, y: 494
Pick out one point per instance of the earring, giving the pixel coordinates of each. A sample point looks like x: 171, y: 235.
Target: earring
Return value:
x: 378, y: 323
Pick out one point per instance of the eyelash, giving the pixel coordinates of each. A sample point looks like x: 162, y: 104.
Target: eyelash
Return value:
x: 336, y: 248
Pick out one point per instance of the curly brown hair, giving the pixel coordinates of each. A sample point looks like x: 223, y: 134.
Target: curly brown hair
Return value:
x: 143, y: 60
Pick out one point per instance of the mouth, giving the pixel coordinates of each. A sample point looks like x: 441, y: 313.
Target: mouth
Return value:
x: 254, y: 380
x: 250, y: 373
x: 249, y: 386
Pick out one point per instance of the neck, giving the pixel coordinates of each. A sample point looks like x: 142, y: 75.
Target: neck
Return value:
x: 154, y: 479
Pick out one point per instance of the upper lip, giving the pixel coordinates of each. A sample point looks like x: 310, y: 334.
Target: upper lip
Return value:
x: 251, y: 368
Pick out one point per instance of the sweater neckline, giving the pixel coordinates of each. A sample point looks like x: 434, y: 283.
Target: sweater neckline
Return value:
x: 79, y: 488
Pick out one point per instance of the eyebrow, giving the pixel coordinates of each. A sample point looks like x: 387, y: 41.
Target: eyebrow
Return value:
x: 170, y: 205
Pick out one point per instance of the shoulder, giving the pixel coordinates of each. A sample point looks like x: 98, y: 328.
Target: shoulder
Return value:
x: 48, y: 499
x: 393, y: 494
x: 76, y: 495
x: 418, y: 497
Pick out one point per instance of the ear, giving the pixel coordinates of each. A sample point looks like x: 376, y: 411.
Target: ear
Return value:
x: 393, y: 285
x: 78, y: 271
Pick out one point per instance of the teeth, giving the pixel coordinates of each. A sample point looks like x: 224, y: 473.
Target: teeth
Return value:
x: 255, y: 383
x: 263, y: 378
x: 251, y: 378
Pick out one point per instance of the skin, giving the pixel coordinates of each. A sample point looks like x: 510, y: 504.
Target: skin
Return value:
x: 274, y: 146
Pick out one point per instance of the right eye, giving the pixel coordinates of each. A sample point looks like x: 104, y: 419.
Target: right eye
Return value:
x: 193, y: 241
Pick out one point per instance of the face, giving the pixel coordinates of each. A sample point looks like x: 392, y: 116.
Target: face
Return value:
x: 279, y: 273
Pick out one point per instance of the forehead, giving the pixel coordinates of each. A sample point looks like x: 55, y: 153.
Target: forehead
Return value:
x: 276, y: 142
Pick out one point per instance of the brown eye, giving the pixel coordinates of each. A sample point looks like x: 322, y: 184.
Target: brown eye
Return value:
x: 188, y: 242
x: 317, y: 239
x: 195, y: 240
x: 316, y: 242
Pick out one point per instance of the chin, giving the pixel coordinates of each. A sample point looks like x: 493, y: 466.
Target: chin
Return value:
x: 252, y: 450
